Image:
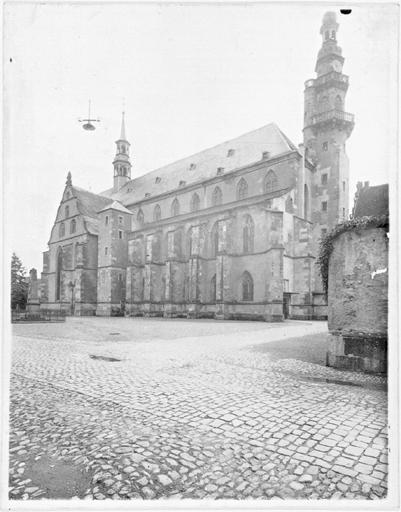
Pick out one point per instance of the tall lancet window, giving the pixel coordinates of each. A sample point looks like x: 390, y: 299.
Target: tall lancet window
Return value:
x: 175, y: 208
x: 59, y: 268
x: 248, y: 231
x: 247, y: 286
x: 242, y: 189
x: 217, y: 196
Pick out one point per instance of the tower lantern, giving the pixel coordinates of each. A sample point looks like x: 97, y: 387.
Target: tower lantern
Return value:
x: 329, y: 27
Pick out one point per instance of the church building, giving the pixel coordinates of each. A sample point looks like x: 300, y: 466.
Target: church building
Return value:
x: 231, y: 232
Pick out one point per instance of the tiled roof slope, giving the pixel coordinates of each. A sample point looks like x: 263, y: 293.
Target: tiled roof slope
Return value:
x: 89, y: 205
x: 371, y: 201
x: 245, y: 149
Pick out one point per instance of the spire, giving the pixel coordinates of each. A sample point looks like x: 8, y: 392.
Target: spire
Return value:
x: 122, y: 135
x: 69, y: 179
x: 121, y: 163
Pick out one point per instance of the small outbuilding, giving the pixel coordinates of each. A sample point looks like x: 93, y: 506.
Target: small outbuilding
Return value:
x: 354, y: 267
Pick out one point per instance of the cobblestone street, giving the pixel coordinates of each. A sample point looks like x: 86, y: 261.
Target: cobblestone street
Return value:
x: 150, y: 408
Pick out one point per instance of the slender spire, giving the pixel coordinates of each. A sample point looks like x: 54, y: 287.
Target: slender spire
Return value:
x: 69, y: 179
x: 123, y: 136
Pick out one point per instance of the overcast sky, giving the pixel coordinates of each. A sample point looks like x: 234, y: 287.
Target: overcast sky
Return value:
x: 192, y: 76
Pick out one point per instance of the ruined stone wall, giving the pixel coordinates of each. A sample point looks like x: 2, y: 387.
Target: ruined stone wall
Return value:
x: 358, y: 300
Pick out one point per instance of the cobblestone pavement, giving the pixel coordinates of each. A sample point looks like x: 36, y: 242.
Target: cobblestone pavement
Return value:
x: 149, y: 409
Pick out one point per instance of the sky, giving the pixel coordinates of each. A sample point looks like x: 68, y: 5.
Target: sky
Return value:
x: 188, y: 76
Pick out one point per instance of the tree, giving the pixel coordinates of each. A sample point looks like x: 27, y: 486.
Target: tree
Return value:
x: 19, y: 283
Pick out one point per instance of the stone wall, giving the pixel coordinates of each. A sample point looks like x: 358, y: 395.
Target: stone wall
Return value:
x: 358, y: 301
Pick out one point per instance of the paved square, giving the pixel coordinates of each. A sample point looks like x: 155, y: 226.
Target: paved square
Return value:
x: 152, y: 408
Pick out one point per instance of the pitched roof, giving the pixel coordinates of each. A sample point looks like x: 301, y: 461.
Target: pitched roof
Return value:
x: 88, y: 205
x: 115, y: 205
x: 245, y: 149
x: 371, y: 201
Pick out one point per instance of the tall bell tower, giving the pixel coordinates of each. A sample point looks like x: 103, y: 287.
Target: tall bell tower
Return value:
x: 327, y: 127
x: 121, y: 162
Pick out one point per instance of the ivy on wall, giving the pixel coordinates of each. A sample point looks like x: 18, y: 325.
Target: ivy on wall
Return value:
x: 326, y: 243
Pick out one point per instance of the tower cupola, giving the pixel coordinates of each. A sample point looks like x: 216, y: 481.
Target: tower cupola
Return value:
x: 329, y: 27
x: 121, y: 163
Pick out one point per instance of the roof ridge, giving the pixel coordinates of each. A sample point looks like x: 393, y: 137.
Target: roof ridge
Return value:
x: 209, y: 148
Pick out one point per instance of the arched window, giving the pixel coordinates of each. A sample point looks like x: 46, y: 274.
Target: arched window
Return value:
x: 270, y: 181
x: 73, y: 226
x: 248, y: 233
x: 306, y: 201
x: 195, y: 202
x: 61, y: 229
x: 338, y: 103
x: 140, y: 218
x: 175, y: 208
x: 58, y: 272
x: 157, y: 247
x: 189, y: 242
x: 157, y: 213
x: 67, y: 211
x: 242, y: 189
x: 213, y: 289
x: 217, y: 196
x: 214, y: 239
x: 247, y: 286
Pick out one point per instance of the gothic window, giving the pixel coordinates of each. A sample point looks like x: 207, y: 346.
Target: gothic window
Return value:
x: 175, y: 208
x: 338, y: 102
x: 120, y: 234
x: 242, y: 189
x: 189, y: 242
x: 248, y: 232
x: 306, y: 201
x: 157, y: 213
x: 324, y: 179
x: 343, y: 186
x: 213, y: 289
x: 231, y: 152
x: 140, y: 218
x: 247, y: 286
x: 73, y: 226
x: 324, y: 206
x: 106, y: 251
x: 106, y: 220
x: 214, y: 239
x: 61, y: 229
x: 156, y: 246
x: 270, y: 181
x: 217, y: 196
x: 195, y: 202
x: 67, y: 211
x: 120, y: 220
x: 58, y: 273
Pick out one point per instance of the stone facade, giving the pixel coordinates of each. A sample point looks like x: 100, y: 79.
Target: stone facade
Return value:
x: 358, y: 301
x: 231, y: 232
